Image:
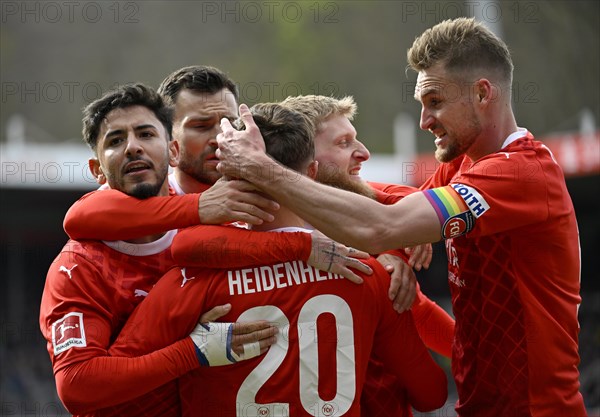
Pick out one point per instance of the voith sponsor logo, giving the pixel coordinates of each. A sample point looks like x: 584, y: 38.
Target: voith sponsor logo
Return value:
x: 68, y: 332
x: 472, y: 198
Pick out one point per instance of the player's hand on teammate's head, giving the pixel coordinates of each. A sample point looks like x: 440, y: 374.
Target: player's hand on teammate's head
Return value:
x: 331, y: 256
x: 403, y: 281
x: 239, y: 149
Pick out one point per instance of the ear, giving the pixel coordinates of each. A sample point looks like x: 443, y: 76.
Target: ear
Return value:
x: 173, y: 153
x: 96, y: 170
x: 484, y: 92
x: 312, y: 170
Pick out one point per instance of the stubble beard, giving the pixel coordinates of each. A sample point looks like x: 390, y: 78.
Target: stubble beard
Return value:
x: 145, y: 190
x: 459, y: 144
x: 196, y: 170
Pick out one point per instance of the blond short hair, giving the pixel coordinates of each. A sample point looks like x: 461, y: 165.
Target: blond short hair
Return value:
x: 462, y: 45
x: 319, y: 108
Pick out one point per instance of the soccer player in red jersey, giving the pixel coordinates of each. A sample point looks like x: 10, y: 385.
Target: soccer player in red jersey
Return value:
x: 500, y: 202
x: 340, y: 155
x: 93, y: 286
x: 328, y: 328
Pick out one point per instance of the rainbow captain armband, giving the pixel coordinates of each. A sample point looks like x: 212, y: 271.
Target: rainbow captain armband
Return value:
x: 453, y: 212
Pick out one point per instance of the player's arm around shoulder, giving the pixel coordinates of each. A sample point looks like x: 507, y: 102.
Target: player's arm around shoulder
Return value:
x: 214, y: 246
x: 114, y: 215
x: 409, y: 222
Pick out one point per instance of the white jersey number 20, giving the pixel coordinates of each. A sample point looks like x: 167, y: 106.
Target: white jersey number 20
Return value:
x: 309, y: 372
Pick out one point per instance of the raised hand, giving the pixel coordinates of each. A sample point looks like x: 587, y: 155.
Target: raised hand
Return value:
x: 242, y: 152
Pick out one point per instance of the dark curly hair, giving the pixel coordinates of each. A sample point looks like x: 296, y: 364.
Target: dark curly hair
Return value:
x: 124, y: 96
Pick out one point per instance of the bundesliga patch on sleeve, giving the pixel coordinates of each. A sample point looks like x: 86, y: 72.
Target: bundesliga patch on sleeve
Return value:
x: 455, y: 217
x: 68, y: 332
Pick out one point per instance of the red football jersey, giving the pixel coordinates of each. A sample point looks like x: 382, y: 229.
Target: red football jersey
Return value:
x: 328, y: 327
x: 383, y: 395
x: 91, y: 289
x: 515, y: 282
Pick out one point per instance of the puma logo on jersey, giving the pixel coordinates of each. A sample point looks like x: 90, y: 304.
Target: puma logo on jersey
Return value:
x: 67, y: 270
x: 140, y: 293
x: 185, y: 278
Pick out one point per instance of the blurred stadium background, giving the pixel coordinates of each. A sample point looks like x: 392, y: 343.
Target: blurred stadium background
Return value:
x: 57, y: 56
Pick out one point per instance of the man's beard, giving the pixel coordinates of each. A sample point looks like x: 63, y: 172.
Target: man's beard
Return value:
x: 345, y: 183
x: 457, y: 147
x: 145, y: 190
x: 195, y: 170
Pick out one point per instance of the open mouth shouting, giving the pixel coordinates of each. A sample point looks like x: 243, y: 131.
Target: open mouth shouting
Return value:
x: 137, y: 167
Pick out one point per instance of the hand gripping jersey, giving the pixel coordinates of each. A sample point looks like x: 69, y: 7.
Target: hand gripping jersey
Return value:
x: 514, y: 281
x: 328, y: 330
